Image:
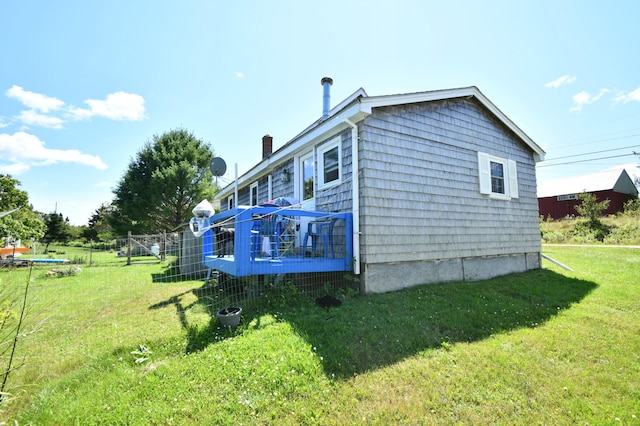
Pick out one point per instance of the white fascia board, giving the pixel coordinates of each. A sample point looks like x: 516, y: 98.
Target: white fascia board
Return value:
x: 389, y: 100
x: 328, y: 128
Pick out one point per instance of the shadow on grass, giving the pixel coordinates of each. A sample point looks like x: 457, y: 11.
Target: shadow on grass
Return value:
x: 370, y: 332
x: 172, y: 274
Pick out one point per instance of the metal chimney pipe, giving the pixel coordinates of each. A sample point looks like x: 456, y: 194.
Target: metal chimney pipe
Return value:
x: 326, y: 97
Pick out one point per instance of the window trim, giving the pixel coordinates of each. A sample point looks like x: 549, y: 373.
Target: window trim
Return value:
x: 253, y: 186
x: 230, y: 202
x: 510, y: 176
x: 335, y: 143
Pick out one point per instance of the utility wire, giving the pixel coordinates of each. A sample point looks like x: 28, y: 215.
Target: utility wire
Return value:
x: 585, y: 161
x: 594, y: 152
x: 599, y: 141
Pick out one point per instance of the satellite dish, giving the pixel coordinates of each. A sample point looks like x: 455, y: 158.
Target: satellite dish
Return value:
x: 218, y: 166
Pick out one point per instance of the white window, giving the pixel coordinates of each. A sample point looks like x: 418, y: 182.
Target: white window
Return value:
x: 230, y: 202
x: 498, y: 177
x: 330, y: 164
x: 253, y: 191
x: 567, y: 197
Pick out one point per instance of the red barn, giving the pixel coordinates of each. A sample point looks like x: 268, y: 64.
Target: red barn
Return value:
x: 558, y: 198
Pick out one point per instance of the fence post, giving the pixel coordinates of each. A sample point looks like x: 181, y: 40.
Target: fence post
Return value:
x: 129, y: 248
x: 163, y: 253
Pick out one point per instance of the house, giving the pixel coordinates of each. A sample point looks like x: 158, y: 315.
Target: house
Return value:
x: 437, y: 186
x: 557, y: 198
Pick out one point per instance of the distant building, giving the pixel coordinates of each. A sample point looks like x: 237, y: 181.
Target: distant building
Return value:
x: 557, y: 198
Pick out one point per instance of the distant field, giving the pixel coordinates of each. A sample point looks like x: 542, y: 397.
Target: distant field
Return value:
x: 116, y: 344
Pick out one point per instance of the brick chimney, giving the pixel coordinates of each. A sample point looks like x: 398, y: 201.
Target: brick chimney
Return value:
x: 267, y: 146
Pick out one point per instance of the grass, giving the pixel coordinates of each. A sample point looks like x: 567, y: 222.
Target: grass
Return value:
x: 543, y: 347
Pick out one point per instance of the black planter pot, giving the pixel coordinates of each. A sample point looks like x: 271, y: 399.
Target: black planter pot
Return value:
x: 230, y: 316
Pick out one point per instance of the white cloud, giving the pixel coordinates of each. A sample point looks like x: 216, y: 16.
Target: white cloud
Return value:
x: 14, y: 169
x: 585, y: 98
x: 22, y: 151
x: 117, y: 106
x: 560, y: 81
x: 33, y: 118
x: 239, y: 74
x: 34, y: 100
x: 628, y: 97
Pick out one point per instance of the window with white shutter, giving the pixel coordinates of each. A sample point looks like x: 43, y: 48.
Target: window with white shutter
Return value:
x: 498, y: 177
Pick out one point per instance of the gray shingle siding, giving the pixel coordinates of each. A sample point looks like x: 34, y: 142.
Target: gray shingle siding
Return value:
x: 420, y: 186
x: 337, y: 198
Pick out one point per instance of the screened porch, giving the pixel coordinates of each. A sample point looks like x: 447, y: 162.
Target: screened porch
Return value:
x: 258, y: 240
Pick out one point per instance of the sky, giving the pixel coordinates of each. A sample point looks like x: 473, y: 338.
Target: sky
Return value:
x: 85, y: 84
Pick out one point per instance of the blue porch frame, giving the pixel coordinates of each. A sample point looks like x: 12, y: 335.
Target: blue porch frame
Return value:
x: 273, y: 240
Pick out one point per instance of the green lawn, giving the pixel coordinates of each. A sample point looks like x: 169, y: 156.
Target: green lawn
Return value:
x: 115, y: 346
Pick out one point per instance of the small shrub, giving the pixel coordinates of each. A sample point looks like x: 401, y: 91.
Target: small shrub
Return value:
x: 591, y: 230
x: 626, y: 233
x: 70, y: 271
x: 632, y: 207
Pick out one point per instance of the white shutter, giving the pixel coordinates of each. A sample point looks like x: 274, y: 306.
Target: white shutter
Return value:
x: 513, y: 179
x: 484, y: 173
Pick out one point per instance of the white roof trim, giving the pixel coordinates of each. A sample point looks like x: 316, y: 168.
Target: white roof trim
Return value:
x: 436, y: 95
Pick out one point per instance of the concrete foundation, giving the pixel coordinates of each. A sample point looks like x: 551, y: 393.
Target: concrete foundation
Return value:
x: 385, y: 277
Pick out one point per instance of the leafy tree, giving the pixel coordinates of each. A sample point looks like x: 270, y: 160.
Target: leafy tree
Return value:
x: 632, y: 207
x: 24, y: 223
x: 169, y: 176
x: 58, y: 229
x: 590, y: 208
x: 99, y: 227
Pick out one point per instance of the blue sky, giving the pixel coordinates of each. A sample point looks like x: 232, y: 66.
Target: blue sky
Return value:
x: 84, y: 84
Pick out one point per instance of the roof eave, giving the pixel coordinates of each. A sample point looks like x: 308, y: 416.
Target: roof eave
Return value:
x: 322, y: 130
x: 390, y: 100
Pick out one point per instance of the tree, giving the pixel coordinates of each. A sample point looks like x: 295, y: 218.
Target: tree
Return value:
x: 99, y: 227
x: 22, y: 224
x: 167, y: 178
x: 58, y: 229
x: 590, y: 208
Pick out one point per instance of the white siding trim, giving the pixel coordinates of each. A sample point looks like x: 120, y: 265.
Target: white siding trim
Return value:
x: 253, y: 186
x: 513, y: 179
x: 484, y: 173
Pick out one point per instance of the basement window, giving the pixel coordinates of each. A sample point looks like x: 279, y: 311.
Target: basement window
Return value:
x: 498, y: 177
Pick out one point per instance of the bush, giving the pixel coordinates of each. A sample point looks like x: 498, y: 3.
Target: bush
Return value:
x: 628, y: 232
x: 632, y: 207
x: 590, y: 229
x: 621, y: 229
